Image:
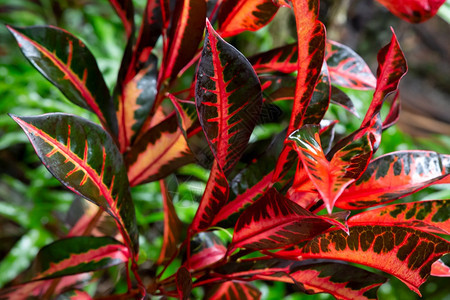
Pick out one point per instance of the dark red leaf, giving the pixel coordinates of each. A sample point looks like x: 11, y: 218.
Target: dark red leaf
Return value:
x: 414, y: 11
x: 347, y: 68
x: 394, y: 113
x: 430, y: 216
x: 403, y: 252
x: 393, y: 176
x: 228, y: 99
x: 125, y: 11
x: 236, y: 16
x: 184, y: 283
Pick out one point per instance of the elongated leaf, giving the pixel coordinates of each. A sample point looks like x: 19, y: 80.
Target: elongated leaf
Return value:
x: 431, y: 216
x: 331, y: 177
x: 78, y: 255
x: 185, y: 34
x: 184, y: 283
x: 67, y: 63
x: 275, y: 222
x: 283, y: 59
x: 228, y: 99
x: 414, y: 11
x: 311, y: 52
x: 440, y: 269
x: 237, y: 16
x: 320, y: 99
x: 340, y: 98
x: 393, y: 176
x: 214, y: 198
x: 347, y: 68
x: 173, y: 227
x: 391, y: 68
x: 159, y: 152
x: 85, y: 159
x: 394, y: 113
x: 233, y: 290
x: 277, y: 88
x: 125, y: 11
x: 403, y: 252
x: 206, y: 249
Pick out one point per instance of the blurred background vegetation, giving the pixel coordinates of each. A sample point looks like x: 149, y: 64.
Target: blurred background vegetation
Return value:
x: 35, y: 209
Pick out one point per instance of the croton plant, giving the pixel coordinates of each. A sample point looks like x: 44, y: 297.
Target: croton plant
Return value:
x: 294, y: 206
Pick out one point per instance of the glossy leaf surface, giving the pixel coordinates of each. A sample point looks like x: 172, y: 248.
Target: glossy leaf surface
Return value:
x: 67, y: 63
x: 159, y: 152
x: 184, y: 36
x: 393, y: 176
x: 283, y: 59
x: 440, y: 269
x: 311, y: 52
x: 78, y: 255
x: 414, y: 11
x: 431, y: 216
x: 233, y: 290
x: 275, y: 222
x: 331, y: 177
x: 236, y: 16
x: 403, y: 252
x: 347, y: 68
x: 228, y: 99
x: 85, y: 159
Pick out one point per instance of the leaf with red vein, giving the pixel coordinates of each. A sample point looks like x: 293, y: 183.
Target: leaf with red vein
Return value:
x: 331, y: 177
x: 214, y: 198
x: 403, y: 252
x: 414, y: 11
x: 78, y: 255
x: 237, y: 16
x: 311, y: 52
x: 83, y: 157
x: 440, y: 269
x: 184, y: 283
x: 67, y: 63
x: 430, y: 216
x: 393, y: 176
x: 228, y: 99
x: 277, y: 88
x: 347, y: 68
x: 233, y: 290
x: 185, y: 35
x: 186, y: 115
x: 207, y: 249
x: 125, y: 11
x: 159, y: 152
x: 282, y: 59
x: 391, y: 68
x: 275, y: 222
x: 173, y: 227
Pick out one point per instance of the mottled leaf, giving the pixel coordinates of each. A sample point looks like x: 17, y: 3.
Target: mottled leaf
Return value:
x: 236, y: 16
x: 414, y: 11
x: 85, y: 159
x: 347, y: 68
x: 320, y: 99
x: 393, y: 176
x: 228, y: 99
x: 67, y: 63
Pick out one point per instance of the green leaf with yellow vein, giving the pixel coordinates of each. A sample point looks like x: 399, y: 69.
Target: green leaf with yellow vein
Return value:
x: 78, y: 255
x: 158, y: 153
x: 331, y: 177
x: 403, y: 252
x: 67, y: 63
x: 236, y: 16
x: 83, y: 157
x: 228, y: 99
x: 393, y: 176
x: 432, y: 216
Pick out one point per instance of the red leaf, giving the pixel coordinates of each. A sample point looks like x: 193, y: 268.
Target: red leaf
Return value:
x: 236, y: 16
x: 331, y: 177
x: 403, y: 252
x: 125, y: 11
x: 275, y: 222
x: 233, y: 290
x: 430, y: 216
x: 228, y: 99
x: 311, y: 52
x: 347, y: 68
x: 184, y: 283
x: 414, y: 11
x: 282, y: 59
x: 206, y: 250
x: 440, y: 269
x: 393, y: 176
x: 185, y: 35
x: 391, y: 68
